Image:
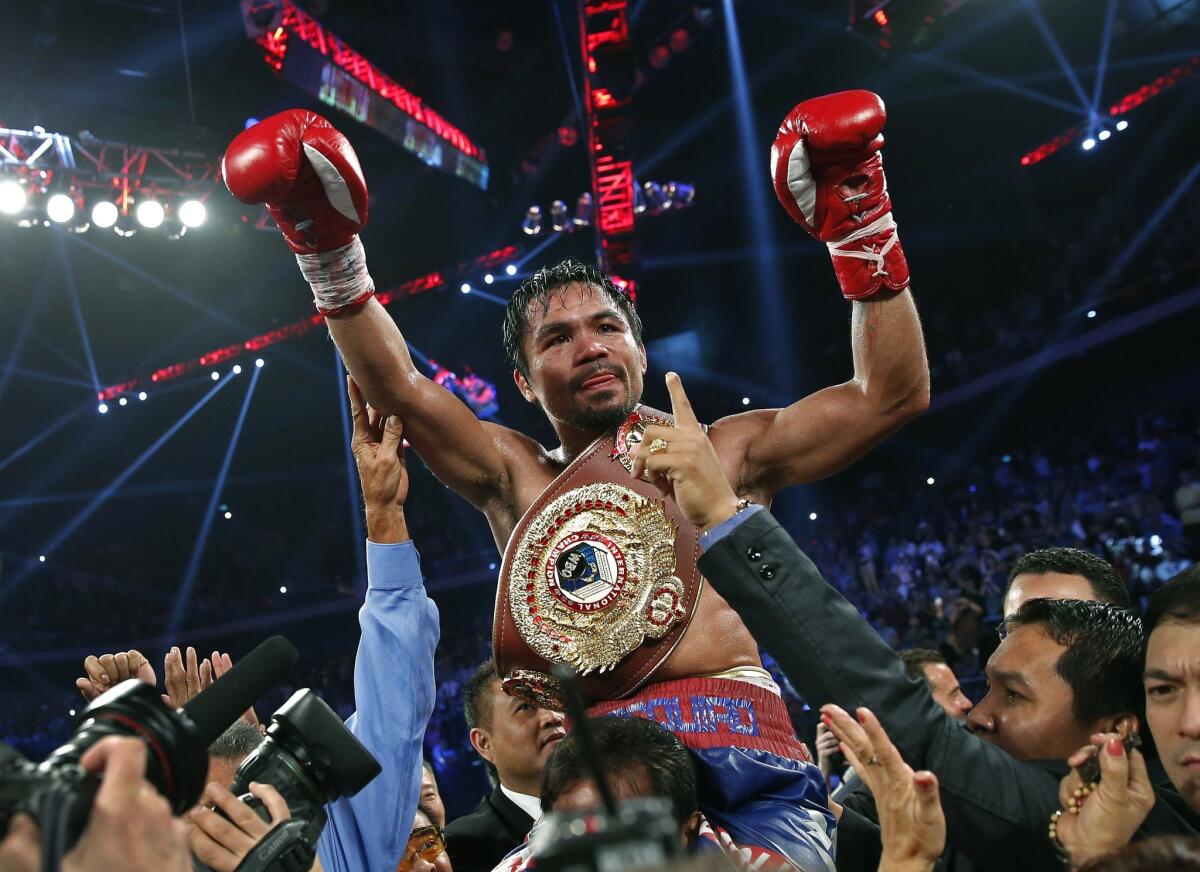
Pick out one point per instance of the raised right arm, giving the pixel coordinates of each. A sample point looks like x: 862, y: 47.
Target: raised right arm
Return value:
x: 463, y: 452
x: 309, y: 177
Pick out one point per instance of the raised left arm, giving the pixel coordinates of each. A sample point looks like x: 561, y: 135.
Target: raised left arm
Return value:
x: 826, y: 431
x: 828, y: 176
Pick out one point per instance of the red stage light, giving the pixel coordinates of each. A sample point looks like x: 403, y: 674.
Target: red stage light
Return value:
x: 881, y: 18
x: 660, y: 56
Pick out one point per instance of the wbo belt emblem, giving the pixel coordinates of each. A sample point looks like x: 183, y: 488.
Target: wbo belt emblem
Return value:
x: 630, y: 434
x: 594, y: 577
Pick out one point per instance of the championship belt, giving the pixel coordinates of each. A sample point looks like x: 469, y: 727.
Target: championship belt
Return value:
x: 600, y: 574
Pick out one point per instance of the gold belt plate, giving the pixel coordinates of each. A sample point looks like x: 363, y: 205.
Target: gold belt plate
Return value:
x: 594, y: 577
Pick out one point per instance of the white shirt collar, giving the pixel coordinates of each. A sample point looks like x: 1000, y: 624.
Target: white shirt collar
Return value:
x: 531, y: 805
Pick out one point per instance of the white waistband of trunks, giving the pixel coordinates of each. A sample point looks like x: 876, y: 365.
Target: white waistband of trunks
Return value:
x: 751, y: 675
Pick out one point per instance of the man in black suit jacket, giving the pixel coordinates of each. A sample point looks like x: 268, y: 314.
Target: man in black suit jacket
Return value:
x: 997, y: 804
x: 514, y: 739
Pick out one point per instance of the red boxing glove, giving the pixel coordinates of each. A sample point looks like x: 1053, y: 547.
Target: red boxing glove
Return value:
x: 308, y: 175
x: 828, y: 174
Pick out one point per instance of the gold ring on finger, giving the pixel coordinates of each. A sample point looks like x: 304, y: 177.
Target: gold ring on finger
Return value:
x: 658, y: 446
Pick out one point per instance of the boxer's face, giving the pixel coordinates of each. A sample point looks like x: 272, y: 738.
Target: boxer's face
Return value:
x: 585, y: 368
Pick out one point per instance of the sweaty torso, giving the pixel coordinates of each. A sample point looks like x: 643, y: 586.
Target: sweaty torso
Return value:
x: 715, y: 640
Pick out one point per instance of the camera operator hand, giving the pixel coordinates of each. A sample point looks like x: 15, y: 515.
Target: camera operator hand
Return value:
x: 378, y: 448
x: 130, y: 828
x: 108, y: 670
x: 221, y: 843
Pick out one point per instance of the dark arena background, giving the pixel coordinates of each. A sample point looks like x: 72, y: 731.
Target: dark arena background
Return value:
x: 174, y: 433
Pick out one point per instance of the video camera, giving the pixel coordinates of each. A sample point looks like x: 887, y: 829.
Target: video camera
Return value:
x: 58, y: 793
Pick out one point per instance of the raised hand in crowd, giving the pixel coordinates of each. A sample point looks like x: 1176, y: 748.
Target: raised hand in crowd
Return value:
x: 222, y: 843
x: 378, y: 447
x: 130, y: 828
x: 1097, y: 819
x: 184, y: 676
x: 222, y: 663
x: 108, y: 670
x: 911, y: 822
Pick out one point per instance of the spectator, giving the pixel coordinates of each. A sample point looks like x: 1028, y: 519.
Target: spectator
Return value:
x: 1063, y: 573
x: 514, y: 739
x: 929, y: 666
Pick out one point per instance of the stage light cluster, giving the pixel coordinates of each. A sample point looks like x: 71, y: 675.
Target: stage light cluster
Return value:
x: 650, y: 198
x: 33, y: 199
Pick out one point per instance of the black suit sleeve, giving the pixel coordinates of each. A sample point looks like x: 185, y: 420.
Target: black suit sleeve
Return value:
x: 996, y: 807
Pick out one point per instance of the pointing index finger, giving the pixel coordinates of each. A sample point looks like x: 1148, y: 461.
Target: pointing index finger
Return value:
x: 681, y: 406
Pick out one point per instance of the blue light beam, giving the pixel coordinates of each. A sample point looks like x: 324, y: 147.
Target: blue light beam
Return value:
x: 8, y: 589
x: 184, y: 595
x: 1102, y: 64
x: 754, y: 178
x: 45, y: 434
x: 68, y: 274
x: 1056, y: 50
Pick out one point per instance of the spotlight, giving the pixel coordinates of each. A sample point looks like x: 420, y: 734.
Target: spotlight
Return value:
x: 71, y: 712
x: 1091, y: 313
x: 12, y: 197
x: 283, y: 588
x: 655, y: 201
x: 929, y: 480
x: 583, y: 210
x: 142, y: 396
x: 1103, y: 135
x: 192, y: 213
x: 124, y: 401
x: 216, y: 376
x: 491, y: 566
x: 466, y: 287
x: 102, y: 408
x: 60, y: 208
x: 228, y: 515
x: 237, y: 369
x: 660, y: 56
x: 745, y: 401
x: 1089, y: 144
x: 41, y: 558
x: 812, y: 516
x: 1122, y: 124
x: 532, y: 225
x: 104, y: 214
x: 150, y: 214
x: 510, y: 270
x: 559, y: 217
x: 488, y: 279
x: 259, y: 363
x: 679, y: 194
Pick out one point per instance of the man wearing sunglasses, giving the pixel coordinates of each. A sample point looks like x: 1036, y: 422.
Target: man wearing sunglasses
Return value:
x: 426, y: 847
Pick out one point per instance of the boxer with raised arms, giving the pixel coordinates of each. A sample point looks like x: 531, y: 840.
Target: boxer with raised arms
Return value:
x: 584, y: 580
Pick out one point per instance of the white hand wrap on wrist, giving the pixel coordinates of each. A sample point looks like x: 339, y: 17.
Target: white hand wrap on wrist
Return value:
x: 338, y: 278
x: 882, y: 224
